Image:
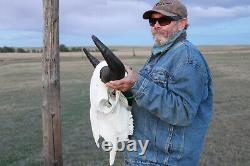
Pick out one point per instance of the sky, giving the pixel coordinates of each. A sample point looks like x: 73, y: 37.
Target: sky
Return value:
x: 119, y: 22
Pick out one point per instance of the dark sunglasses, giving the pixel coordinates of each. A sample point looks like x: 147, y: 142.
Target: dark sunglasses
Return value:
x: 163, y: 21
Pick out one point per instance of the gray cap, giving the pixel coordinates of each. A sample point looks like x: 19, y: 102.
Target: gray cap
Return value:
x: 168, y: 8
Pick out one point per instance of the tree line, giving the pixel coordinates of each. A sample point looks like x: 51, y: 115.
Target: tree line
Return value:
x: 6, y: 49
x: 62, y: 48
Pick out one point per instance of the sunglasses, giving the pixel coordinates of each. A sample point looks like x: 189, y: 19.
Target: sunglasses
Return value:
x: 163, y: 21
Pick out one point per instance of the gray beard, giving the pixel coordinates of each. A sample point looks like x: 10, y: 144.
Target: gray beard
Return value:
x: 160, y: 40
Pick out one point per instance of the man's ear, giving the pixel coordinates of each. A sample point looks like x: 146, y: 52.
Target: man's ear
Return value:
x: 182, y: 23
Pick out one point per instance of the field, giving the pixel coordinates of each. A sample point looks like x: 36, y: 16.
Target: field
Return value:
x: 227, y: 142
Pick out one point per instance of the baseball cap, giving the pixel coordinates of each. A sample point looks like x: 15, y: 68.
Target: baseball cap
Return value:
x: 170, y: 8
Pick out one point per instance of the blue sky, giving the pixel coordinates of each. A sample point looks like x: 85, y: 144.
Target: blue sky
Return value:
x: 119, y: 22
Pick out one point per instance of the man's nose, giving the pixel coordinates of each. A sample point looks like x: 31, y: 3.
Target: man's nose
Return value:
x: 157, y: 25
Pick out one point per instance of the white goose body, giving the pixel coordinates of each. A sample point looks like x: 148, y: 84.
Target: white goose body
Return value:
x: 110, y: 114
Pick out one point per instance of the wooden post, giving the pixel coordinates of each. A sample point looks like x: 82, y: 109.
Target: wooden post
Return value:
x: 52, y: 146
x: 133, y: 51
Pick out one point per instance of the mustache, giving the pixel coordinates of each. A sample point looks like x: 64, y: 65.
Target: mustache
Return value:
x: 155, y: 31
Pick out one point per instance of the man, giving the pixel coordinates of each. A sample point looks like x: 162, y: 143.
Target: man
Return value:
x: 172, y: 93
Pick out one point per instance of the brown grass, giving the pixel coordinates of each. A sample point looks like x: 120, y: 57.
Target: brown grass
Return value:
x: 228, y: 138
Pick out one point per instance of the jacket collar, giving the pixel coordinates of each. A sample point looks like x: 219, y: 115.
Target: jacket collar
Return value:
x: 157, y: 49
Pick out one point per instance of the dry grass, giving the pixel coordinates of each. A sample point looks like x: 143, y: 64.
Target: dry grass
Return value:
x: 228, y: 139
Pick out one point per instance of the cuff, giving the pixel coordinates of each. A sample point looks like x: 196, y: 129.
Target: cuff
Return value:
x: 139, y: 86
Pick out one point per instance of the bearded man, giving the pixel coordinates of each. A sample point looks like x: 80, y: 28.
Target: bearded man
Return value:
x: 172, y: 93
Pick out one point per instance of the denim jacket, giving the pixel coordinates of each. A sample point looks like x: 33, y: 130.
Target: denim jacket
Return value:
x: 173, y: 105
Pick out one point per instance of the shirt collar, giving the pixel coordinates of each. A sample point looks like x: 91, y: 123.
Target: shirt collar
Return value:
x: 164, y: 47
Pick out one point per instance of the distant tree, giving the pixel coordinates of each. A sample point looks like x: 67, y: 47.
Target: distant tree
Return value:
x: 75, y: 49
x: 8, y: 49
x: 20, y: 50
x: 63, y: 48
x: 1, y: 49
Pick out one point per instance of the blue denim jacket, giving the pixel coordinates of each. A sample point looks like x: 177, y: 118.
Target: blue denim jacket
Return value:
x: 173, y: 105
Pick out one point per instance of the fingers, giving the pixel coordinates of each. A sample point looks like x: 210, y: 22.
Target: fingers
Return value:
x: 116, y: 87
x: 126, y: 83
x: 110, y: 85
x: 122, y: 85
x: 114, y: 84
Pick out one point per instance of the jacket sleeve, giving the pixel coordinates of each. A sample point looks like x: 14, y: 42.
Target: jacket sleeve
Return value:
x: 178, y: 103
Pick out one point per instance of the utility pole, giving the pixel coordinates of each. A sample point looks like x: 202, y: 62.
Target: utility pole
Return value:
x: 52, y: 145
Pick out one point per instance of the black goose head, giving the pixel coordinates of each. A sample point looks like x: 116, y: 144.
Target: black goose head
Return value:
x: 115, y: 69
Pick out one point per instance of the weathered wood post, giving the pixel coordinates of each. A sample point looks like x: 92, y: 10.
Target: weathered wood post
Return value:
x: 52, y: 146
x: 133, y: 51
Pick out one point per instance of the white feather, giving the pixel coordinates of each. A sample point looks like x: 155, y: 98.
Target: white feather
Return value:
x: 110, y: 115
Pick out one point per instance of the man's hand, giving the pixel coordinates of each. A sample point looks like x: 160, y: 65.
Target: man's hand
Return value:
x: 126, y: 83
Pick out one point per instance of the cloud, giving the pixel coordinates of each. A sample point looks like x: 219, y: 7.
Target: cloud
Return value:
x: 103, y: 17
x: 20, y: 38
x: 112, y: 19
x: 21, y: 15
x: 216, y: 14
x: 77, y: 17
x: 220, y: 3
x: 219, y: 12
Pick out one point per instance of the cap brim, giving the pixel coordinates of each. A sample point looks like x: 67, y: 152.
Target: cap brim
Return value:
x: 148, y: 13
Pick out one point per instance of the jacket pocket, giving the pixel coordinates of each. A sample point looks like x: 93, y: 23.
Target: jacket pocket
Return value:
x: 176, y: 147
x: 160, y: 76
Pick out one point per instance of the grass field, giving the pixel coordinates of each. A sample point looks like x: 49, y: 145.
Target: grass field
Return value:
x: 228, y: 139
